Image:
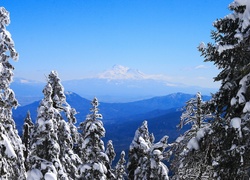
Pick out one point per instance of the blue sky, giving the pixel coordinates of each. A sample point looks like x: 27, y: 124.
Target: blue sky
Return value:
x: 79, y: 38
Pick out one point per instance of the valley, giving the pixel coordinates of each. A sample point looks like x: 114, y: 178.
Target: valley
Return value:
x: 122, y: 119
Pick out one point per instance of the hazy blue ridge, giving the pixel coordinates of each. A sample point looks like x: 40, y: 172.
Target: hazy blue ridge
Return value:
x: 122, y: 119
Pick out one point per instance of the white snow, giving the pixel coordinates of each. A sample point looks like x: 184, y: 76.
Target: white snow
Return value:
x: 122, y: 72
x: 43, y: 165
x: 215, y: 163
x: 100, y: 167
x: 34, y: 174
x: 152, y: 163
x: 240, y: 94
x: 243, y: 88
x: 193, y: 144
x: 179, y: 139
x: 239, y: 36
x: 201, y: 133
x: 9, y: 151
x: 232, y: 147
x: 233, y: 101
x: 244, y: 19
x: 246, y: 14
x: 222, y: 48
x: 241, y: 160
x: 246, y: 107
x: 1, y: 67
x: 84, y: 168
x: 236, y: 124
x: 202, y: 46
x: 157, y: 152
x: 143, y: 143
x: 50, y: 176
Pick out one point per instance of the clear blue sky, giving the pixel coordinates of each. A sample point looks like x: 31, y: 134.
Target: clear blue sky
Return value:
x: 82, y: 37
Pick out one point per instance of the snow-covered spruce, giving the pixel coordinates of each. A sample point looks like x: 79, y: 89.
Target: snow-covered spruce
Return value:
x: 120, y: 169
x: 11, y: 156
x: 51, y: 152
x: 189, y: 154
x: 96, y: 163
x: 26, y: 136
x: 145, y: 157
x: 230, y: 138
x: 138, y: 148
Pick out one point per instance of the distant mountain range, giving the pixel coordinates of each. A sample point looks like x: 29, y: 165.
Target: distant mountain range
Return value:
x: 118, y: 84
x: 122, y: 119
x: 122, y: 72
x: 147, y: 108
x: 127, y: 98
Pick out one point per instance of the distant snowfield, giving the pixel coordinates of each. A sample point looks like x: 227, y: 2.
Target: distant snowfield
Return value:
x: 121, y: 72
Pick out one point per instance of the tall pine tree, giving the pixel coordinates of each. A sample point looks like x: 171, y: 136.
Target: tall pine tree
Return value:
x: 120, y: 169
x: 52, y: 144
x: 139, y: 148
x: 189, y: 152
x: 11, y: 148
x: 66, y: 130
x: 145, y: 157
x: 96, y: 163
x: 229, y: 143
x: 26, y: 137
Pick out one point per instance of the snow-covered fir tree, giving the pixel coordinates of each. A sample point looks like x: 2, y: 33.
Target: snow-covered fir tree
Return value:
x: 43, y: 161
x: 151, y: 166
x: 145, y: 158
x: 110, y: 152
x: 138, y: 148
x: 158, y: 170
x: 96, y: 162
x: 66, y: 131
x: 52, y: 144
x: 11, y: 148
x: 189, y: 152
x: 26, y: 136
x: 120, y: 169
x: 230, y: 140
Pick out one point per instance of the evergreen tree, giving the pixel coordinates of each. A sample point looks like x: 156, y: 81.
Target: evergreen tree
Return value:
x: 120, y: 169
x: 66, y: 131
x: 151, y: 166
x: 229, y: 140
x: 11, y: 148
x: 52, y: 144
x: 190, y: 153
x: 138, y: 148
x: 158, y: 170
x: 145, y: 157
x: 44, y: 156
x: 95, y: 160
x: 26, y: 137
x: 110, y: 152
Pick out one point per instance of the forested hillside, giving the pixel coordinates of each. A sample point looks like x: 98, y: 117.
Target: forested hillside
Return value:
x: 215, y: 142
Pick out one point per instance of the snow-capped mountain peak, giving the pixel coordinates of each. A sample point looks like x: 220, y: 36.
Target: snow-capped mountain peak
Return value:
x: 122, y: 72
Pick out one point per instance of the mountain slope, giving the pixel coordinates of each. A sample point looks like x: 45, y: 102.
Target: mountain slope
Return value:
x: 122, y: 72
x: 114, y: 112
x: 122, y: 119
x: 122, y: 133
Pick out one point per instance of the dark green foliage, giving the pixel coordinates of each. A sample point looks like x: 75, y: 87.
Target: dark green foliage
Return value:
x: 26, y: 137
x: 228, y: 141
